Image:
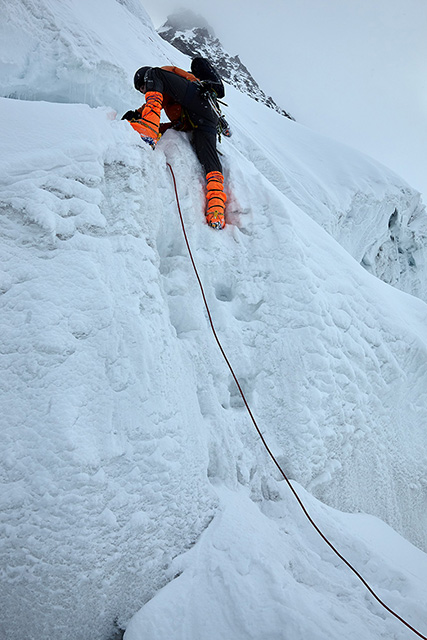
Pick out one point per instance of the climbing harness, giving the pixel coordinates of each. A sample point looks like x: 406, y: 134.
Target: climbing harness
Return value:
x: 270, y: 453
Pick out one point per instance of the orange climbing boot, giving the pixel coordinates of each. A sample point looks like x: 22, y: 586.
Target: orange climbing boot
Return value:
x: 216, y: 199
x: 148, y: 124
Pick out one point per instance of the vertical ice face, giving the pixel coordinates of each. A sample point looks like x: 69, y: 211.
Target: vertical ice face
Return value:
x: 120, y: 424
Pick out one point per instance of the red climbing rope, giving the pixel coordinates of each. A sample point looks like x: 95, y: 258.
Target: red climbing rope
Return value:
x: 270, y: 453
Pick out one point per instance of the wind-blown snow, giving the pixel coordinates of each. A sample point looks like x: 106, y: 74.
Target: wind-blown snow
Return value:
x: 127, y: 456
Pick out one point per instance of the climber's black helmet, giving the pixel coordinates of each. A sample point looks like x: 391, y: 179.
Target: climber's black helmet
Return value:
x: 138, y: 79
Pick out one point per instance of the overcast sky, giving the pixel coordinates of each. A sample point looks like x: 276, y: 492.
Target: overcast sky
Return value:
x: 352, y: 69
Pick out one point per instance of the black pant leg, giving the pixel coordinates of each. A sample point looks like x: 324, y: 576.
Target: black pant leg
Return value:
x: 204, y: 143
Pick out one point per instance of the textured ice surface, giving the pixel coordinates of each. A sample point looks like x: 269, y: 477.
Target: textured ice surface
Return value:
x: 120, y: 424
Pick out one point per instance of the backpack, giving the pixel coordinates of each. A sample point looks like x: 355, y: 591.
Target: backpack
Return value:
x: 212, y: 87
x: 208, y: 75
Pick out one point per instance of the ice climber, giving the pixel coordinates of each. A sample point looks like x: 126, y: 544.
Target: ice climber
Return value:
x: 188, y: 106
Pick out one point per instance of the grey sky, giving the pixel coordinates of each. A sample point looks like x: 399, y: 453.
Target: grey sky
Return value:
x: 351, y: 69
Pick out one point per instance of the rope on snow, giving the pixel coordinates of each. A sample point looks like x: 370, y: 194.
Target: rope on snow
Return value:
x: 270, y: 453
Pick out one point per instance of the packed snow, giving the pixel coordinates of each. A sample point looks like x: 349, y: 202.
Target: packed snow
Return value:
x: 136, y: 493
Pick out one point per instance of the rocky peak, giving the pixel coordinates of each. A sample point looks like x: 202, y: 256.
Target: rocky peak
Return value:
x: 192, y: 35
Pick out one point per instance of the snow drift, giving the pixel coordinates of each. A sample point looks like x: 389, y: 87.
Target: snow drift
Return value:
x: 127, y: 457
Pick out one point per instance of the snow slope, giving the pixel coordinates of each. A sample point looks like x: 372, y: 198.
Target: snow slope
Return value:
x: 126, y: 455
x: 260, y: 573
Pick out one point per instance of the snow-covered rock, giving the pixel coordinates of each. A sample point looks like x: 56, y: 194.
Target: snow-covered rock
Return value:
x: 193, y: 36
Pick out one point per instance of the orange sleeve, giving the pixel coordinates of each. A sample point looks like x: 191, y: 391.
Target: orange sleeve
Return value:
x: 138, y: 127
